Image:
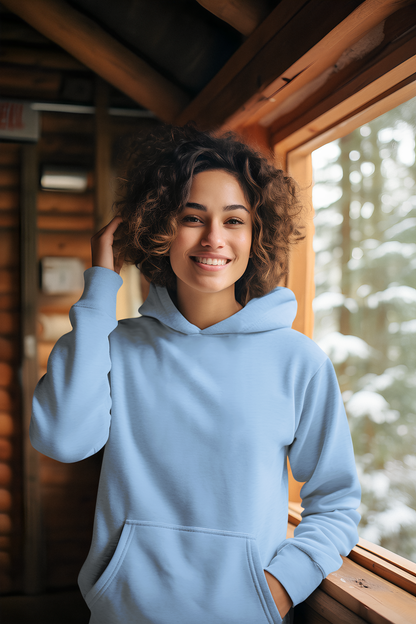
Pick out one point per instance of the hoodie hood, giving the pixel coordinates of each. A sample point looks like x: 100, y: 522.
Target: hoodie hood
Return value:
x: 275, y: 310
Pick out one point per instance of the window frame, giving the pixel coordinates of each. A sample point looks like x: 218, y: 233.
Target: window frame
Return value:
x: 384, y: 570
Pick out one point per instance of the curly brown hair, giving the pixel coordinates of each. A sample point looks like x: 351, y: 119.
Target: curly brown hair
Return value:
x: 156, y: 187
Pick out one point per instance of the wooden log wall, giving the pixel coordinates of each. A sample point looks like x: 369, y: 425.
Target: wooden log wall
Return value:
x: 10, y: 423
x: 65, y: 225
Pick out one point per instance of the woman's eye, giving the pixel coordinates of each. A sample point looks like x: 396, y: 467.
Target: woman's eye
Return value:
x: 235, y: 221
x: 190, y: 219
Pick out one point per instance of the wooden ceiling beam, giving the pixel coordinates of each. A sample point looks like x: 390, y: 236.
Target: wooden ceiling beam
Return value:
x: 282, y: 53
x: 90, y: 44
x: 243, y: 15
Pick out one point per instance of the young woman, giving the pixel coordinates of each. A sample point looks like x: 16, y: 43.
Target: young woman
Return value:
x: 200, y: 401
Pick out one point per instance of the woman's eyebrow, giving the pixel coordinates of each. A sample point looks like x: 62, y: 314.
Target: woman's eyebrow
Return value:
x: 226, y: 208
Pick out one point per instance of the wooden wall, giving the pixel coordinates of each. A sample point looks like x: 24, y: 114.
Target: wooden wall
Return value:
x: 10, y: 423
x: 65, y: 224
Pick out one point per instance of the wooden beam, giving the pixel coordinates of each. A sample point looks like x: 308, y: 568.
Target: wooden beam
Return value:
x: 33, y: 551
x: 397, y: 45
x: 243, y: 15
x: 90, y: 44
x: 282, y: 14
x: 282, y: 52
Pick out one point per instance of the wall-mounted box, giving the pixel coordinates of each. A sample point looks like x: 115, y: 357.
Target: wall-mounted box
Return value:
x: 18, y: 121
x: 60, y: 276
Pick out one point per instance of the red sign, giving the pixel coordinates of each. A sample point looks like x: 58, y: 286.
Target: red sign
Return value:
x: 18, y: 121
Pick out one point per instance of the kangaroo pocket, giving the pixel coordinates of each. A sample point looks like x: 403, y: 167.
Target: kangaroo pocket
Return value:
x: 169, y: 574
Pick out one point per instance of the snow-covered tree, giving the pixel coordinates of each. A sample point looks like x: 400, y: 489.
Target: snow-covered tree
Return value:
x: 365, y: 310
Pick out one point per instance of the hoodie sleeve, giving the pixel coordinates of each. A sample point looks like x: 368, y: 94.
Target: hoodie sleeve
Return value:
x: 322, y: 456
x: 72, y: 401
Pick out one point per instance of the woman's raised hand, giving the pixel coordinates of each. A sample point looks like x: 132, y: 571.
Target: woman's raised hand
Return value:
x: 102, y: 247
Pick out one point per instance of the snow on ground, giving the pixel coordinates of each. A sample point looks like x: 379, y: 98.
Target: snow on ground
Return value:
x: 371, y: 404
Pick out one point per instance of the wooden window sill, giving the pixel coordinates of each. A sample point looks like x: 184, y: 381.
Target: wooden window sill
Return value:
x: 373, y: 585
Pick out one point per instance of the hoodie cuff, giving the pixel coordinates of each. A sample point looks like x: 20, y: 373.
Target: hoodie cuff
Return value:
x: 100, y: 290
x: 296, y: 571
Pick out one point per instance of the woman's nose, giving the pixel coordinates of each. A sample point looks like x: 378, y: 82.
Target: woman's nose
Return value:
x: 213, y: 235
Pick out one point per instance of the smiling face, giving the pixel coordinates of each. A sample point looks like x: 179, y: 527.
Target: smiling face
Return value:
x: 211, y: 250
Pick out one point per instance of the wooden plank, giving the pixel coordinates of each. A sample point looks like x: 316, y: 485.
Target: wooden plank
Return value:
x: 330, y: 610
x: 5, y: 476
x: 9, y: 300
x: 6, y: 374
x: 64, y: 244
x: 60, y: 146
x: 65, y: 202
x: 243, y: 15
x: 10, y: 154
x: 6, y: 452
x: 292, y: 42
x: 291, y: 67
x: 302, y: 257
x: 9, y: 323
x: 6, y: 425
x: 359, y: 31
x: 33, y: 545
x: 388, y: 555
x: 9, y: 350
x: 282, y: 14
x: 395, y: 49
x: 9, y: 249
x: 65, y: 222
x: 9, y: 280
x: 19, y: 82
x: 374, y: 599
x: 67, y: 123
x: 90, y: 44
x: 40, y: 58
x: 9, y: 219
x: 384, y: 569
x: 388, y: 91
x: 9, y: 177
x: 9, y: 199
x: 6, y: 401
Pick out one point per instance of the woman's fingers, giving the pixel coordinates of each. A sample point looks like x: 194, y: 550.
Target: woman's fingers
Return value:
x: 102, y: 246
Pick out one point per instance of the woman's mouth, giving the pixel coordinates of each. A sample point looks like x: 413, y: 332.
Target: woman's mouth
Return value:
x: 210, y: 263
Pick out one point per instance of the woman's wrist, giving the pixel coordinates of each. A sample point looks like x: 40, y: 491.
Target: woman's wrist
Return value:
x: 280, y: 596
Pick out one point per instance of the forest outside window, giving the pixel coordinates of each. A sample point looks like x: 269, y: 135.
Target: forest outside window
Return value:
x: 364, y: 198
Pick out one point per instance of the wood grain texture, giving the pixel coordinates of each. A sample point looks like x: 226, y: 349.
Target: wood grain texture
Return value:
x: 369, y: 596
x: 95, y: 48
x: 65, y: 202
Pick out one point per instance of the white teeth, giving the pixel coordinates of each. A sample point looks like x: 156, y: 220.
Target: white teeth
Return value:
x: 214, y: 261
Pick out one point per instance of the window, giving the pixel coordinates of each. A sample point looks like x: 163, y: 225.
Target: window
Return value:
x: 365, y: 309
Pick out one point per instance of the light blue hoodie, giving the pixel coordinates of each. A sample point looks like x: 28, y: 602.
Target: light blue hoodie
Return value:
x: 197, y: 425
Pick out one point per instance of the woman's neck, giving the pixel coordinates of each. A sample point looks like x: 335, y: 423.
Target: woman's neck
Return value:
x: 205, y: 309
